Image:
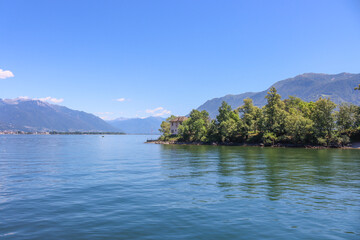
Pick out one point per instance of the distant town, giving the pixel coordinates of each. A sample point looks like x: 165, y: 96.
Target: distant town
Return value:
x: 58, y: 133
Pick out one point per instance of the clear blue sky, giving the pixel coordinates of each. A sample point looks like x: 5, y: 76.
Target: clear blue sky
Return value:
x: 161, y: 56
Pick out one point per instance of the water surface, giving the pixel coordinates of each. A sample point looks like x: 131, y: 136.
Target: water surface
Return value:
x: 116, y: 187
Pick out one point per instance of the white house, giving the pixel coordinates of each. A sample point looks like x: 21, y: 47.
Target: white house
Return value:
x: 175, y: 123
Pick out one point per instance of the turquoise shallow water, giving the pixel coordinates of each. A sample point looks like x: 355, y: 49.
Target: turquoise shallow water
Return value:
x: 117, y: 187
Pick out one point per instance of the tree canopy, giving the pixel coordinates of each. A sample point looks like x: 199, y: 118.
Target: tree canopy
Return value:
x: 292, y: 121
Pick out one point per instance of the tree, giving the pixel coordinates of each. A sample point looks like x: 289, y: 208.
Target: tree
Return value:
x: 293, y: 103
x: 297, y: 127
x: 165, y: 127
x: 358, y: 87
x: 347, y: 118
x: 224, y: 112
x: 324, y: 119
x: 274, y: 113
x: 250, y: 116
x: 229, y: 124
x: 291, y: 120
x: 297, y: 104
x: 195, y: 128
x: 213, y: 132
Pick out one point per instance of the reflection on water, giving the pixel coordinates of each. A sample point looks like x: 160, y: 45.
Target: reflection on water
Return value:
x: 320, y: 176
x: 116, y: 187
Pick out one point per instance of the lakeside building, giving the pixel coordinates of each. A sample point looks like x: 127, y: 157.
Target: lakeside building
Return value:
x: 175, y: 123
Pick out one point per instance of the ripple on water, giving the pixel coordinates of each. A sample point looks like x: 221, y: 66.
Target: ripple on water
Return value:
x: 88, y: 187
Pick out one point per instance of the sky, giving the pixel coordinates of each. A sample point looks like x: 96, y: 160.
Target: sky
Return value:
x: 139, y: 58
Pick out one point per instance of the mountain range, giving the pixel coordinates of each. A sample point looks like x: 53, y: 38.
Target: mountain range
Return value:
x: 23, y: 114
x: 309, y: 87
x: 149, y: 125
x: 39, y: 116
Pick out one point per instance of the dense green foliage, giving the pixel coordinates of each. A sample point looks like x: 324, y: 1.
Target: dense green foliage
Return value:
x: 291, y: 121
x: 165, y: 128
x: 196, y: 127
x: 309, y: 86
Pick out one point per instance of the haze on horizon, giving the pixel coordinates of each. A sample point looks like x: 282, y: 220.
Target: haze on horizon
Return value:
x: 155, y: 58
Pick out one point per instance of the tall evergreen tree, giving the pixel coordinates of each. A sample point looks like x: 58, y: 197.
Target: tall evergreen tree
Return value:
x: 250, y: 116
x: 229, y: 124
x: 274, y: 113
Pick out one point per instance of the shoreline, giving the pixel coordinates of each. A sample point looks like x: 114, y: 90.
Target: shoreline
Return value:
x: 62, y: 133
x: 355, y: 145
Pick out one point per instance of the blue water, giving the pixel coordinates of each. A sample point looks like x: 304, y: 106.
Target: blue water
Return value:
x: 117, y: 187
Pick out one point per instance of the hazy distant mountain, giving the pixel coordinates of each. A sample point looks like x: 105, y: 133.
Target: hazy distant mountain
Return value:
x: 148, y: 125
x: 35, y: 115
x: 309, y: 87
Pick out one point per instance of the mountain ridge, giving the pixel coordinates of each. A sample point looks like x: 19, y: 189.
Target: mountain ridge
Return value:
x: 308, y: 86
x: 149, y: 125
x: 35, y: 115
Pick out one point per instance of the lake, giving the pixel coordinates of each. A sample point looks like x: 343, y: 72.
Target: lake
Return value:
x: 117, y: 187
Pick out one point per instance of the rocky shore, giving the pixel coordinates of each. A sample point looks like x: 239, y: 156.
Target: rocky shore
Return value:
x: 355, y: 145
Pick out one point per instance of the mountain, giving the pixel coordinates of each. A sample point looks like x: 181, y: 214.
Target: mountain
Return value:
x: 35, y: 115
x: 148, y: 125
x: 309, y: 87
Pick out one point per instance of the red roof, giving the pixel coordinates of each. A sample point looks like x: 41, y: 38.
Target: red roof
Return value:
x: 179, y: 119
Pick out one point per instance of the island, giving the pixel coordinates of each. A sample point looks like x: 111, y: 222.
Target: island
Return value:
x: 290, y: 122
